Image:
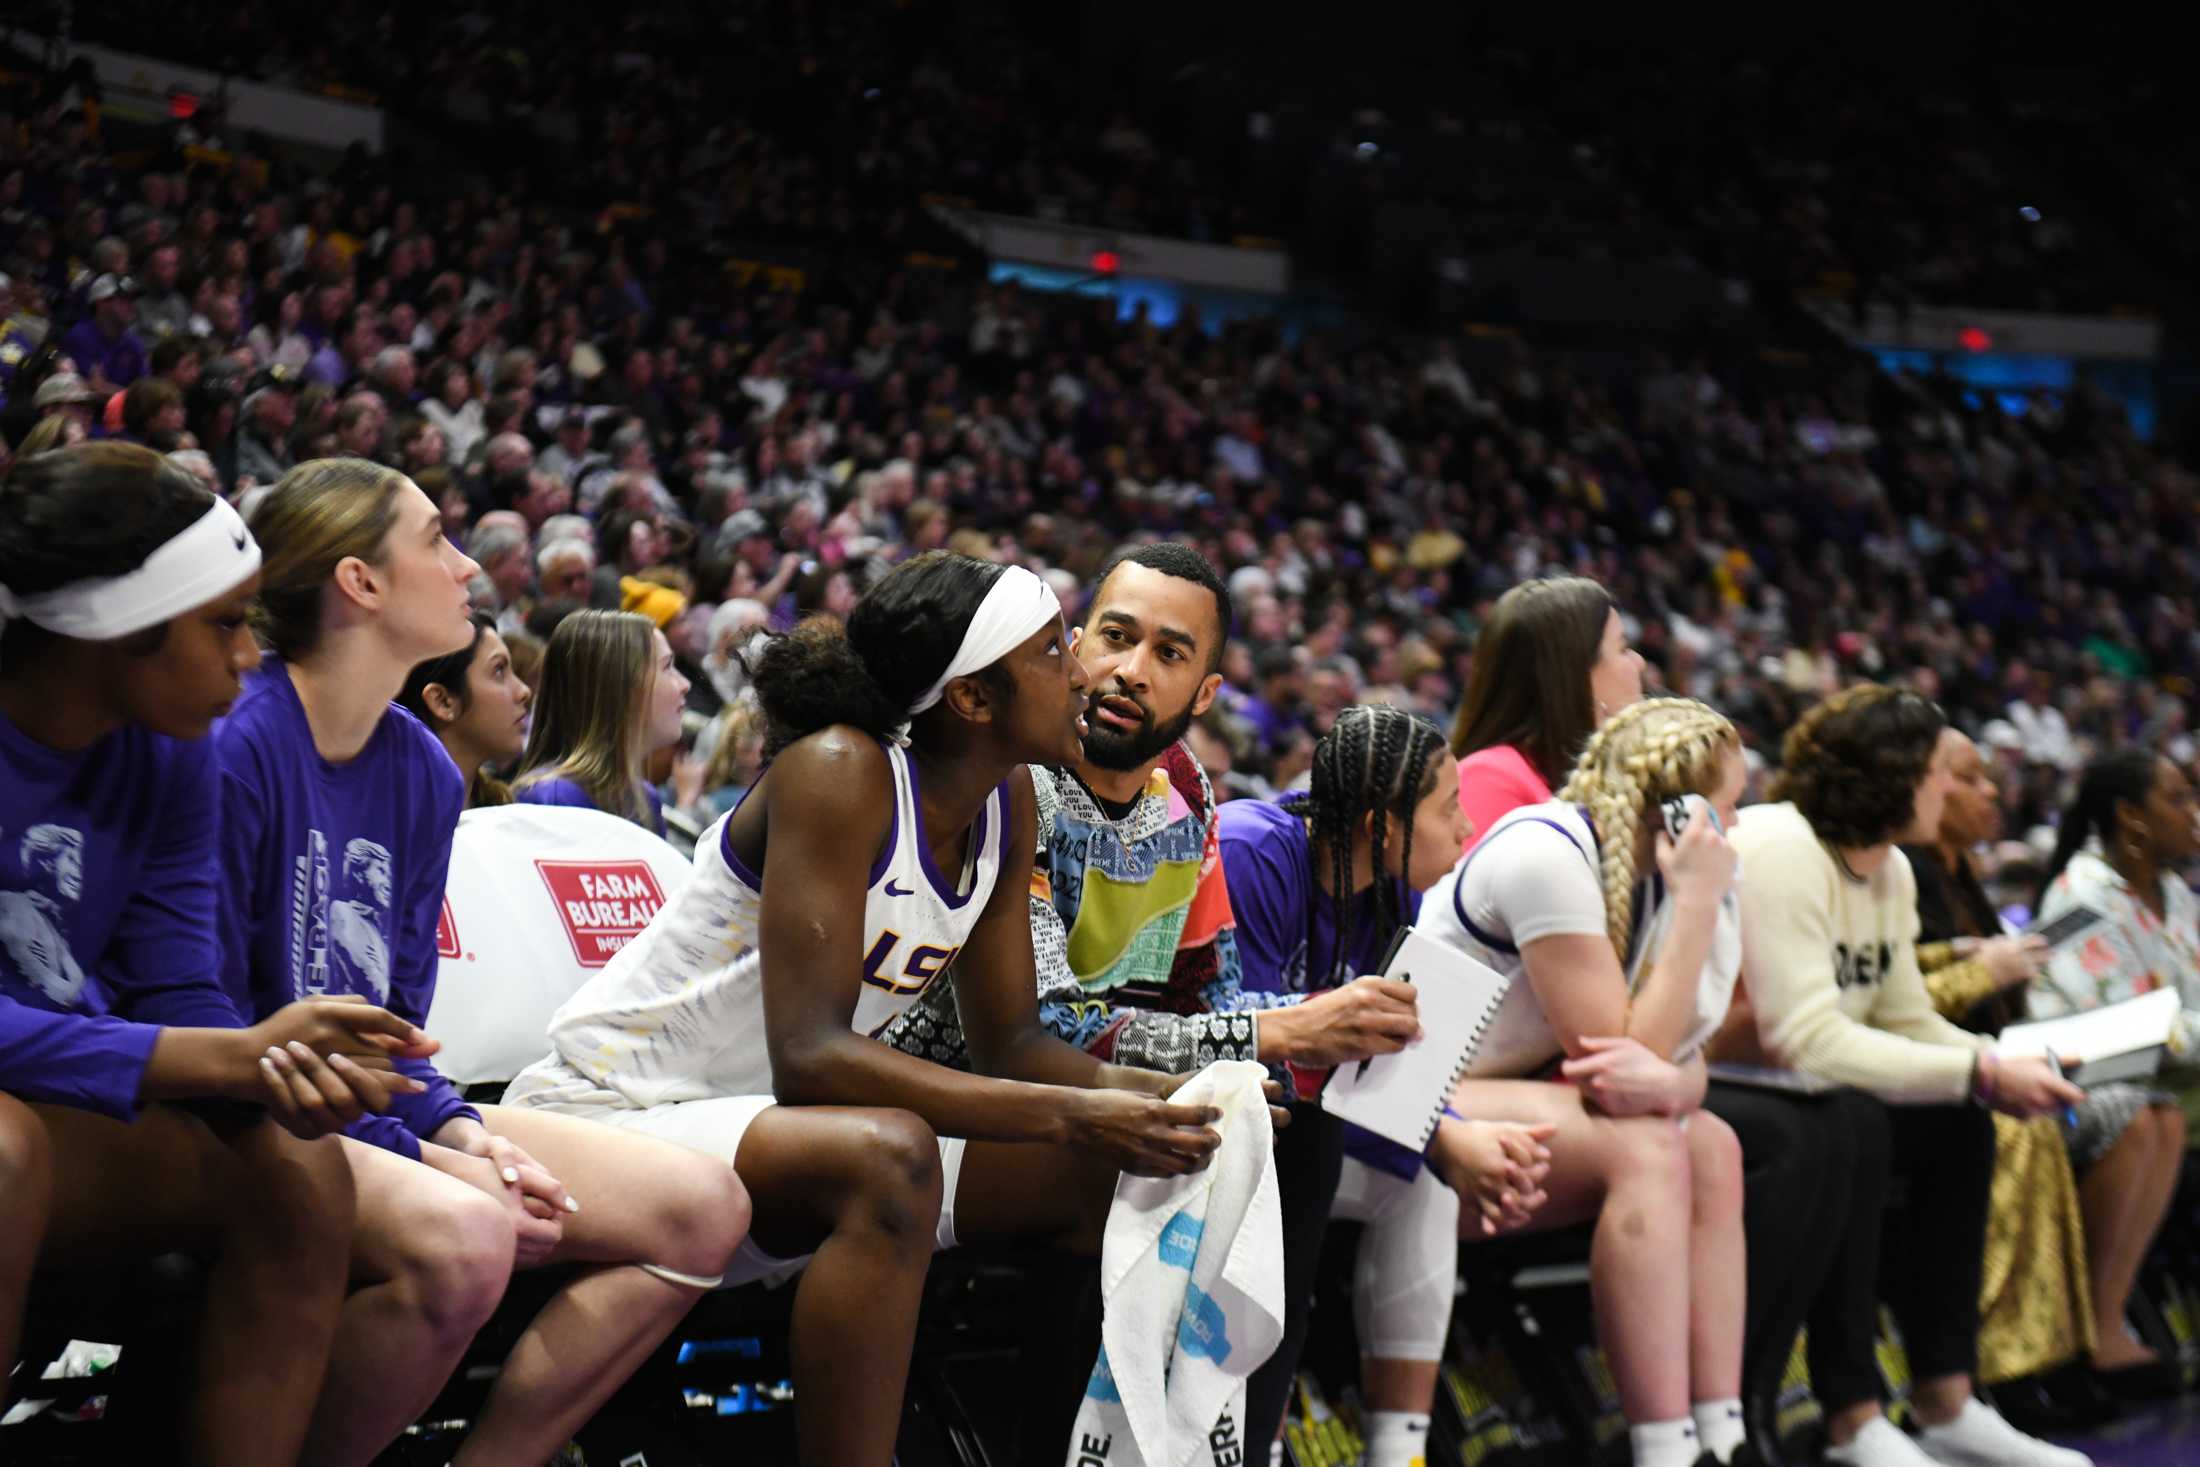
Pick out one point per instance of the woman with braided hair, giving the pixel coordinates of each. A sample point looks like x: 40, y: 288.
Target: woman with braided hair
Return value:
x: 1319, y: 886
x: 1608, y: 927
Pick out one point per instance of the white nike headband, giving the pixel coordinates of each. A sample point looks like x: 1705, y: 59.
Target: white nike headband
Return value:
x: 1016, y: 606
x: 216, y: 553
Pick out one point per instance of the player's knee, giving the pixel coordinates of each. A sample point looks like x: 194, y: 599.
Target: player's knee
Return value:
x: 900, y: 1167
x: 704, y: 1220
x: 461, y: 1262
x: 26, y: 1163
x: 1714, y: 1167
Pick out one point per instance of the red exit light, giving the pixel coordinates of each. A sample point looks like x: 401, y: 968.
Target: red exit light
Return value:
x: 1971, y: 338
x: 1106, y: 261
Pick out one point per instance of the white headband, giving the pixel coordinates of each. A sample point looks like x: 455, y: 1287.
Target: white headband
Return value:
x: 1017, y: 605
x: 215, y: 554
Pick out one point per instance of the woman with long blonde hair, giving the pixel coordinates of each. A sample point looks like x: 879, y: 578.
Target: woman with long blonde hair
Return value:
x: 1607, y: 923
x: 610, y: 698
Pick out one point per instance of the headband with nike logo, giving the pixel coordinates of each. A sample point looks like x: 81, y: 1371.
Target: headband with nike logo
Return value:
x: 215, y: 554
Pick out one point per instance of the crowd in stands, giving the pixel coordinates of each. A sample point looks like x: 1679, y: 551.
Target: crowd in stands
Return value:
x: 579, y: 470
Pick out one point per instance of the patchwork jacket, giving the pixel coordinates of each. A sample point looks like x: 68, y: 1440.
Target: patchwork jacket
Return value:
x: 1130, y: 930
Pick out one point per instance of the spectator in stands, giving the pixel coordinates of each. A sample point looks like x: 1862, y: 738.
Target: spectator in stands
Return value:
x: 152, y: 414
x: 2043, y: 1223
x: 454, y: 408
x: 567, y: 456
x: 103, y: 345
x: 610, y: 699
x: 270, y: 413
x: 970, y: 662
x: 477, y: 706
x: 394, y: 379
x: 1829, y: 932
x: 1319, y: 886
x: 1550, y: 898
x: 505, y: 557
x: 359, y: 587
x: 145, y: 1131
x: 1551, y: 664
x: 564, y: 570
x: 1137, y: 962
x: 735, y: 759
x: 359, y: 425
x: 545, y: 496
x: 278, y: 339
x: 163, y: 310
x: 61, y: 430
x: 65, y: 394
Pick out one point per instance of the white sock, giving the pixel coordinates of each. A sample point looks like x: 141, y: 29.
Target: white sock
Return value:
x: 1275, y: 1453
x: 1396, y: 1439
x: 1665, y: 1443
x: 1719, y: 1426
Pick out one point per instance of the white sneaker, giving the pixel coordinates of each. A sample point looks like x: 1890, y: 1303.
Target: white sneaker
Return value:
x: 1880, y: 1444
x: 1979, y: 1437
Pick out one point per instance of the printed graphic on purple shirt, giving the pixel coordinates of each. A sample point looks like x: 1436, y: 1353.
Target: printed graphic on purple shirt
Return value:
x: 107, y: 899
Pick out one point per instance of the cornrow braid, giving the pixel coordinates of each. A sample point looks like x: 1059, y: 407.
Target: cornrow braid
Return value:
x: 1375, y: 761
x: 1656, y: 750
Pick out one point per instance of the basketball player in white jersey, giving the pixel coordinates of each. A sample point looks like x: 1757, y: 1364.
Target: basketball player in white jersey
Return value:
x: 864, y: 866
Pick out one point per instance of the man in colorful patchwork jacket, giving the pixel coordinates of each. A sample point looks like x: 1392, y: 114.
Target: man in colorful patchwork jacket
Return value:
x: 1130, y: 917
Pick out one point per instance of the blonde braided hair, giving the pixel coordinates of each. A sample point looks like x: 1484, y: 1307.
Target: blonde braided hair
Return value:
x: 1657, y: 750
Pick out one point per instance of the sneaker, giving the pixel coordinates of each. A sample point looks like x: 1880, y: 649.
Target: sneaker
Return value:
x: 1880, y: 1444
x: 1979, y: 1437
x: 1745, y: 1455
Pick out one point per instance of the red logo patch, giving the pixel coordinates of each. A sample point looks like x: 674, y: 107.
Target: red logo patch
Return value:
x: 603, y: 904
x: 446, y: 933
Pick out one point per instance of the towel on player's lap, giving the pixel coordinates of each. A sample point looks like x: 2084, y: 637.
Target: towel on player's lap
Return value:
x: 1191, y: 1277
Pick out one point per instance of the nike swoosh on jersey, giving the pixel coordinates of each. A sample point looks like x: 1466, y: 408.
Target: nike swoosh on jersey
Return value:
x: 893, y: 891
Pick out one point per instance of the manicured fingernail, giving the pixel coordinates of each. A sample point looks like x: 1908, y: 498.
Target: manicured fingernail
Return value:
x: 300, y: 1050
x: 267, y: 1064
x: 278, y: 1057
x: 572, y: 1204
x: 511, y: 1174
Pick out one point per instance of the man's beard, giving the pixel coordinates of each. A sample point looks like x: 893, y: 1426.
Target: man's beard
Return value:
x: 1119, y: 750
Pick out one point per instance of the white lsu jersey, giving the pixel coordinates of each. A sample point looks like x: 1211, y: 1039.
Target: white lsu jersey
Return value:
x: 678, y: 1013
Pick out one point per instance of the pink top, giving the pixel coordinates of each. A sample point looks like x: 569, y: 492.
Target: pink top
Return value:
x: 1495, y: 780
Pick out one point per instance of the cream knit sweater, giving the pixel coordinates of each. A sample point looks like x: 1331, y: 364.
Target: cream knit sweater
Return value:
x: 1831, y: 966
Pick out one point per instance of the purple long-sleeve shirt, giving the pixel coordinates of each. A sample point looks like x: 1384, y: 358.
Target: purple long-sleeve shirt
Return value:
x: 334, y: 875
x: 107, y: 901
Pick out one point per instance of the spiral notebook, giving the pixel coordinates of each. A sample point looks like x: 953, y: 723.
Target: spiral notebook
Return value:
x: 1401, y: 1096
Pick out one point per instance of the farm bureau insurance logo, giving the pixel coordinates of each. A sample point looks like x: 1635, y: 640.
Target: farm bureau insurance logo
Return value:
x: 603, y: 904
x: 446, y: 933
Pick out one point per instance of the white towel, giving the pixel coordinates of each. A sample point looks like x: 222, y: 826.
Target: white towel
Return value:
x: 1722, y: 965
x: 1191, y: 1279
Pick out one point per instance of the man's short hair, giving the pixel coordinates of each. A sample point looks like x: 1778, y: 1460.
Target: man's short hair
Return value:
x: 1184, y: 563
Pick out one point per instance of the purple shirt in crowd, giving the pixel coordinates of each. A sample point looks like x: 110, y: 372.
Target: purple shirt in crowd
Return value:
x: 557, y: 790
x: 107, y: 898
x: 334, y: 875
x: 122, y: 359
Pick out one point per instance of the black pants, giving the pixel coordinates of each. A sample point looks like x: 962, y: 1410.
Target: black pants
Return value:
x: 1798, y: 1171
x: 1309, y: 1162
x: 1923, y: 1258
